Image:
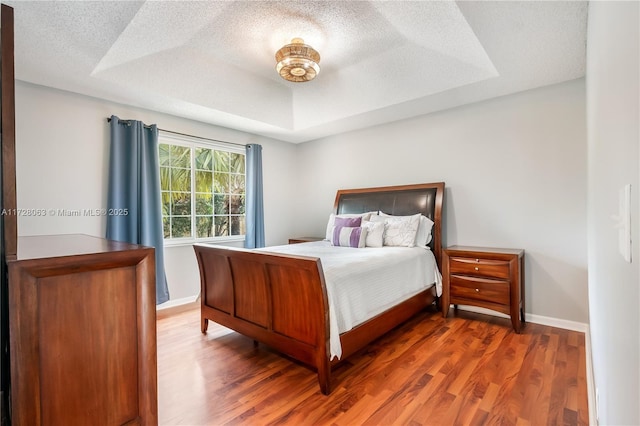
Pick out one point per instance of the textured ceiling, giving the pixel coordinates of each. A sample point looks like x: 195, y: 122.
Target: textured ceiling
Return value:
x: 213, y: 61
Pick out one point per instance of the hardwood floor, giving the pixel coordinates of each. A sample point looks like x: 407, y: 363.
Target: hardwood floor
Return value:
x: 468, y: 369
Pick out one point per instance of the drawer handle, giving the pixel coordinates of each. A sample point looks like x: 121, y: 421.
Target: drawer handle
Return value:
x: 477, y: 260
x: 476, y: 268
x: 477, y: 290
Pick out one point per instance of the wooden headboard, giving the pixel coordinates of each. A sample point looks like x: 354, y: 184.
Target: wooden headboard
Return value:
x: 425, y: 198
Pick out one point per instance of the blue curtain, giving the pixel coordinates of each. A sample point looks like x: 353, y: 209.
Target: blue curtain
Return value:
x: 255, y: 209
x: 134, y: 184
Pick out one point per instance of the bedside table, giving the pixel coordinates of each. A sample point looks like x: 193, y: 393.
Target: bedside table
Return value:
x: 304, y: 240
x: 487, y: 277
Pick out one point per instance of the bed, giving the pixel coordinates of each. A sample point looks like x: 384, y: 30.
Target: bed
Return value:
x: 279, y: 297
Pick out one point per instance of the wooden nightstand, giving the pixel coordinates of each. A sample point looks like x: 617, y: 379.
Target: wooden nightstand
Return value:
x: 487, y: 277
x: 304, y: 239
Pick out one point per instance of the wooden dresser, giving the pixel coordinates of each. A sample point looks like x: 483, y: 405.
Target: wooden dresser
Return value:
x: 486, y: 277
x: 82, y: 332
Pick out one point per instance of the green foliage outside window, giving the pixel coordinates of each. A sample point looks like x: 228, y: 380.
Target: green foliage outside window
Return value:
x: 203, y: 191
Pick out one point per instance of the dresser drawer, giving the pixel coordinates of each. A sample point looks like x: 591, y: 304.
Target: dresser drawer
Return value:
x: 495, y: 291
x: 480, y: 267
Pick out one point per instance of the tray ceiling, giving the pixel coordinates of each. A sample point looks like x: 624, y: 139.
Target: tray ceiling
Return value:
x: 213, y: 61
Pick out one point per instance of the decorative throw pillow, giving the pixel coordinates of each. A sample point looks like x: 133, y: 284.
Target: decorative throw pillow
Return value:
x: 400, y: 231
x: 346, y: 236
x: 333, y: 216
x: 423, y: 236
x: 351, y: 222
x: 375, y: 233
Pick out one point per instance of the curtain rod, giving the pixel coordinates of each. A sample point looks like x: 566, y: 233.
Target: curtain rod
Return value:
x: 184, y: 134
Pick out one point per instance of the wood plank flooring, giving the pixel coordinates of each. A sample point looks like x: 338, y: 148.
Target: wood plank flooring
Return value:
x: 467, y: 369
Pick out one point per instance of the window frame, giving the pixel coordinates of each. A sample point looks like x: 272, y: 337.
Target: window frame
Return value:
x: 192, y: 143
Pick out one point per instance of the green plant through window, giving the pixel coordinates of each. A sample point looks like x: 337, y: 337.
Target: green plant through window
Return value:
x: 203, y: 191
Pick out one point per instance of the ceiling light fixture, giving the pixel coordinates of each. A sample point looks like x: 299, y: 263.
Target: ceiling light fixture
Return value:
x: 297, y: 62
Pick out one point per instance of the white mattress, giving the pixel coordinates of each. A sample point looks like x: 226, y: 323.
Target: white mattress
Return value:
x: 363, y: 282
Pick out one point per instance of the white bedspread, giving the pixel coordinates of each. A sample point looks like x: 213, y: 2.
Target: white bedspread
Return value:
x: 363, y: 282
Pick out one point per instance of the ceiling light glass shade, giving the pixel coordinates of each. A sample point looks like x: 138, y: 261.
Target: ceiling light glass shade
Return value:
x: 297, y: 61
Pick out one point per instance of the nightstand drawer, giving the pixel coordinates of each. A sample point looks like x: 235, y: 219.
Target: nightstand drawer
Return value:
x: 478, y: 266
x: 495, y: 291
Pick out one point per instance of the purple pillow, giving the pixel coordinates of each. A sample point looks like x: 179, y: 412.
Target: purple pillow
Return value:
x: 346, y: 236
x: 351, y: 222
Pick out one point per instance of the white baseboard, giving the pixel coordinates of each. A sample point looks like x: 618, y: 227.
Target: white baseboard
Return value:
x: 557, y: 322
x: 536, y: 319
x: 176, y: 302
x: 176, y: 306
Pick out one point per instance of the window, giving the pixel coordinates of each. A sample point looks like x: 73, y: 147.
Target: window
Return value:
x: 203, y: 189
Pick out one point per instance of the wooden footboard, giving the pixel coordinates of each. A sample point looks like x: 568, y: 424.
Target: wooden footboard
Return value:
x: 279, y: 300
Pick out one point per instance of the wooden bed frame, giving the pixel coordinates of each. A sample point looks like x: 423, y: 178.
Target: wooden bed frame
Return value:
x: 281, y: 300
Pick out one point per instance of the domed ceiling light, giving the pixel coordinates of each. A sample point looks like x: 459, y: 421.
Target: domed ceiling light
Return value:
x: 297, y: 62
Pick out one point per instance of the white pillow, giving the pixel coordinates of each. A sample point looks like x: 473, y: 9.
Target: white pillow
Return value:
x: 423, y: 236
x: 332, y: 217
x: 399, y: 230
x: 375, y: 233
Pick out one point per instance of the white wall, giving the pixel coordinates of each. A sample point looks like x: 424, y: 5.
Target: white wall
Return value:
x: 613, y: 92
x: 62, y: 154
x: 515, y: 173
x: 515, y: 170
